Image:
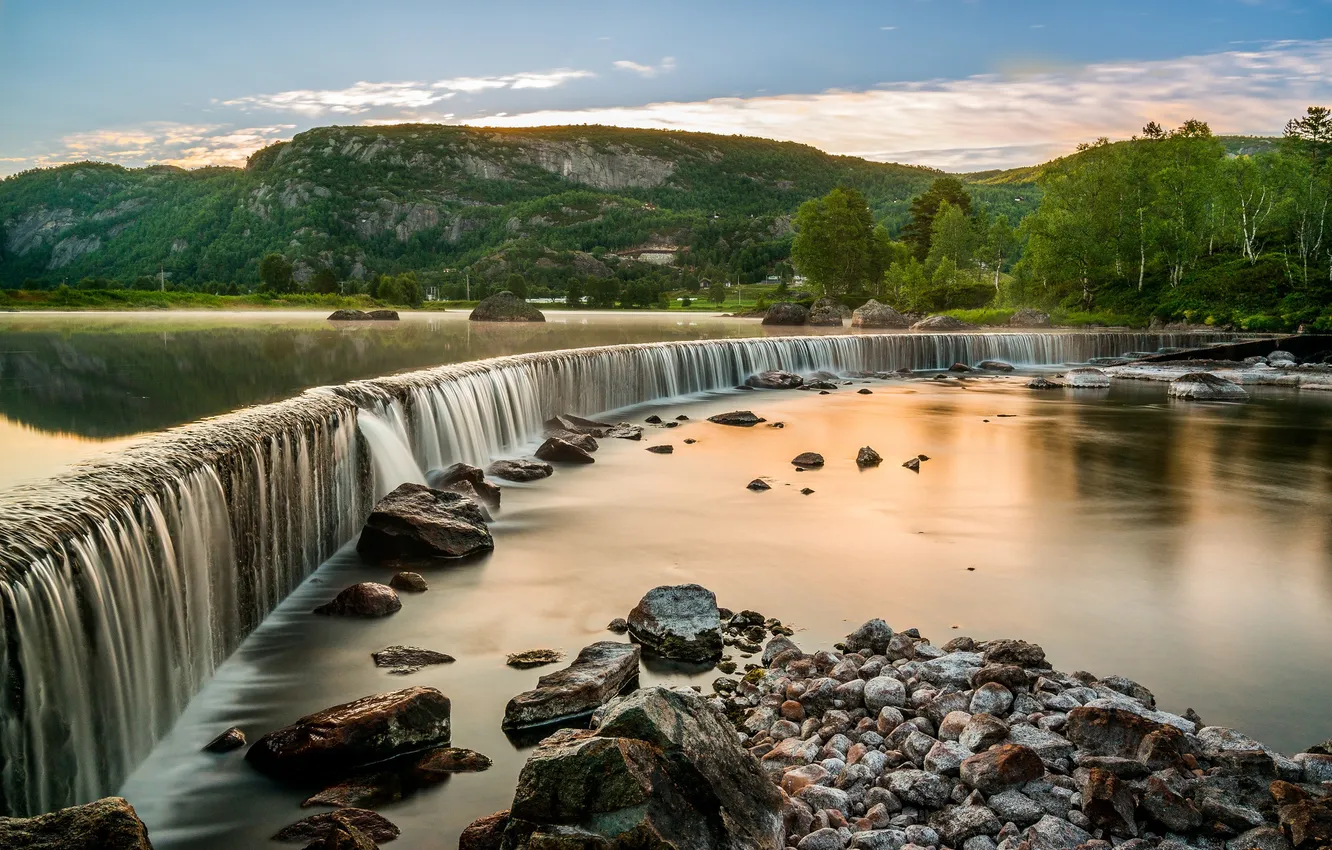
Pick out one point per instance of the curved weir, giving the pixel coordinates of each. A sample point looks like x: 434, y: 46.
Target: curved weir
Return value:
x: 124, y: 584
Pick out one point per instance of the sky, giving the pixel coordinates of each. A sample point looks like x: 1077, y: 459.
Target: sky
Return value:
x: 962, y: 85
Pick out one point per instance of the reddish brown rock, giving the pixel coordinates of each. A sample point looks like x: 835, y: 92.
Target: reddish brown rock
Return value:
x: 485, y: 833
x: 1108, y: 731
x: 368, y: 599
x: 1002, y: 767
x: 107, y: 824
x: 1108, y: 803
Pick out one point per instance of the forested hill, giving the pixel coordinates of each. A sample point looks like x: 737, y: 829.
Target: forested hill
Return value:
x: 358, y: 201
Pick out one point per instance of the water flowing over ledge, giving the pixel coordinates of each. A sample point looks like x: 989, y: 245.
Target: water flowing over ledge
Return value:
x: 124, y: 584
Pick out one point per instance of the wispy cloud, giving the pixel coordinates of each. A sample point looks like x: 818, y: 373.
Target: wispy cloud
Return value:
x: 996, y: 120
x: 164, y: 143
x: 364, y: 96
x: 666, y: 65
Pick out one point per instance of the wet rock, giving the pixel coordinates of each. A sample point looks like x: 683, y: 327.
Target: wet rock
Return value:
x: 599, y: 672
x: 654, y: 419
x: 741, y: 418
x: 865, y: 391
x: 942, y: 323
x: 465, y: 490
x: 662, y: 769
x: 1108, y: 731
x: 1016, y: 652
x: 994, y: 366
x: 786, y: 314
x: 679, y: 622
x: 409, y: 582
x: 1041, y: 383
x: 1306, y: 822
x: 808, y: 459
x: 485, y: 833
x: 368, y: 599
x: 874, y: 635
x: 1172, y: 811
x: 338, y: 740
x: 348, y: 316
x: 408, y: 659
x: 913, y: 464
x: 1029, y: 318
x: 107, y: 824
x: 534, y: 658
x: 383, y: 315
x: 232, y: 739
x: 557, y: 450
x: 586, y: 442
x: 619, y: 626
x: 343, y: 836
x: 590, y: 427
x: 505, y: 307
x: 662, y: 450
x: 520, y: 470
x: 418, y: 522
x: 366, y: 791
x: 1108, y: 803
x: 758, y: 484
x: 872, y: 314
x: 868, y: 457
x: 436, y: 765
x: 1204, y: 386
x: 316, y: 827
x: 960, y: 367
x: 462, y: 473
x: 1001, y: 768
x: 1086, y: 377
x: 774, y: 379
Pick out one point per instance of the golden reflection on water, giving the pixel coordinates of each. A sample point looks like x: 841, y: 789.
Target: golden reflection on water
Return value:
x: 30, y: 454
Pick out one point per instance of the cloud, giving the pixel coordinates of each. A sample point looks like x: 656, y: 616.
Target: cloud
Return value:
x: 667, y: 65
x: 164, y: 143
x: 994, y: 120
x: 364, y: 96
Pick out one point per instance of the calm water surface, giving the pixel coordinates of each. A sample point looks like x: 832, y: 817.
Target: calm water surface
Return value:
x: 1187, y: 546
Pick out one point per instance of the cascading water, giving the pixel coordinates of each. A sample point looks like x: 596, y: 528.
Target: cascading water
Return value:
x: 123, y: 585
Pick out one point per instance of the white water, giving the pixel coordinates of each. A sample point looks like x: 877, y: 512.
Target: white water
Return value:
x: 123, y: 585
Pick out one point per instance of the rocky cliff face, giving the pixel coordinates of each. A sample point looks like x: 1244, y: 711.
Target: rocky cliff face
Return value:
x: 618, y: 167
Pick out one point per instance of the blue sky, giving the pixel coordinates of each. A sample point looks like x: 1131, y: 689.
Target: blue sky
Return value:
x: 955, y: 83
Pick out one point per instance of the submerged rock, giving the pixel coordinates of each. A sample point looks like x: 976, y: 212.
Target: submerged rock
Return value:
x: 505, y: 307
x: 557, y: 450
x: 382, y: 315
x: 409, y: 582
x: 415, y: 521
x: 679, y: 622
x: 107, y: 824
x: 432, y: 767
x: 808, y: 459
x: 662, y: 450
x: 1029, y: 318
x: 872, y: 314
x: 1204, y: 386
x: 995, y: 366
x: 533, y: 658
x: 663, y: 769
x: 464, y: 473
x: 339, y: 740
x: 368, y: 599
x: 742, y: 418
x: 942, y: 323
x: 592, y: 428
x: 520, y: 470
x: 410, y: 658
x: 913, y: 464
x: 1041, y: 383
x: 348, y: 316
x: 786, y: 314
x: 1086, y: 377
x: 758, y: 485
x: 775, y: 379
x: 232, y: 739
x: 317, y: 827
x: 599, y: 672
x: 868, y: 457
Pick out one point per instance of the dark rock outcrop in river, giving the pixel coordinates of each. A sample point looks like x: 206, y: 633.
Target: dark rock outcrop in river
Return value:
x: 359, y: 316
x: 409, y: 582
x: 942, y: 323
x: 786, y: 314
x: 1204, y: 386
x: 827, y: 313
x: 557, y: 450
x: 534, y: 658
x: 1086, y: 377
x: 742, y: 418
x: 415, y: 521
x: 339, y: 740
x: 774, y: 379
x: 662, y: 769
x: 367, y: 599
x: 808, y: 459
x: 320, y: 827
x: 995, y: 366
x: 505, y: 307
x: 872, y: 314
x: 679, y: 622
x: 599, y: 672
x: 460, y: 473
x: 107, y: 824
x: 409, y: 659
x: 567, y: 422
x: 520, y: 470
x: 868, y: 457
x: 232, y: 739
x: 662, y: 450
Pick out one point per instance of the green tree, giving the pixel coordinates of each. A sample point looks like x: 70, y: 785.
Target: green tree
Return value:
x: 389, y: 290
x: 409, y: 289
x: 573, y: 292
x: 952, y: 238
x: 717, y: 293
x: 324, y: 281
x: 517, y: 284
x: 832, y: 242
x: 275, y: 274
x: 1000, y: 247
x: 905, y: 285
x: 920, y: 228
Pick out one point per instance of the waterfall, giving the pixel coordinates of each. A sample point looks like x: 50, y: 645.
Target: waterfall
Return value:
x: 125, y: 583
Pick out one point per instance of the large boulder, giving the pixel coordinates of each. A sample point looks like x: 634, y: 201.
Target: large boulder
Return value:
x: 558, y: 450
x: 942, y: 323
x: 464, y: 473
x: 568, y: 422
x: 1108, y: 731
x: 505, y: 307
x: 1204, y: 386
x: 786, y: 314
x: 106, y: 824
x: 599, y: 672
x: 872, y: 314
x: 662, y: 770
x: 1029, y: 318
x: 1086, y: 377
x: 415, y: 521
x: 1002, y: 767
x: 740, y: 418
x: 367, y: 599
x: 827, y: 313
x: 348, y: 316
x: 339, y: 740
x: 679, y: 622
x: 382, y: 315
x: 774, y: 379
x: 520, y: 470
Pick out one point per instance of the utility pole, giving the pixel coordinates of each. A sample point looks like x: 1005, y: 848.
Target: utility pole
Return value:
x: 467, y: 276
x: 161, y: 277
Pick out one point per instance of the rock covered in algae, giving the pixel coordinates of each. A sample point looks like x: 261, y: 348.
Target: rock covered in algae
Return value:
x: 679, y: 622
x: 415, y: 521
x: 1204, y: 386
x: 600, y: 671
x: 505, y: 307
